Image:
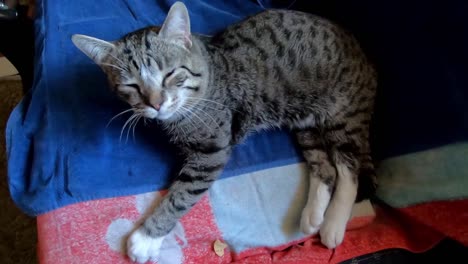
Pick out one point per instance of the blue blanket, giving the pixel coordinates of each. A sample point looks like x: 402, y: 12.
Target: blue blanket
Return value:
x: 60, y: 150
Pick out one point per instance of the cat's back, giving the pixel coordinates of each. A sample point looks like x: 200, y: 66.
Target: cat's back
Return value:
x: 284, y: 35
x: 288, y: 40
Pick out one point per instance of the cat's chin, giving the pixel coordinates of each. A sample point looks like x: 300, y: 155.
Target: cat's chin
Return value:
x: 166, y: 118
x: 161, y: 116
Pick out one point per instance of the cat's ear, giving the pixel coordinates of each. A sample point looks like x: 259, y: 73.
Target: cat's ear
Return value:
x: 176, y: 27
x: 94, y: 48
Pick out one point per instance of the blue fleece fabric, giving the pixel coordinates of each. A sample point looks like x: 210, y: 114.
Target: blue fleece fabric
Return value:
x: 59, y: 148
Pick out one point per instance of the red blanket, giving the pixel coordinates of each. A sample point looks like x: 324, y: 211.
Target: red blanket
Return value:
x: 93, y: 232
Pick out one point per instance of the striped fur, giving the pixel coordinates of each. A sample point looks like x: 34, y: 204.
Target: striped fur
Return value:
x: 278, y: 68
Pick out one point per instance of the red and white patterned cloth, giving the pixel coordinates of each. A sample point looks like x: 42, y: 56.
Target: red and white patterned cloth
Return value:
x: 95, y: 231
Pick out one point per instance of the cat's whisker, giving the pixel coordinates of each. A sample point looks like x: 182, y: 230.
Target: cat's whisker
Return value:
x: 181, y: 128
x: 112, y: 65
x: 134, y: 126
x: 124, y: 126
x: 190, y: 121
x: 197, y: 108
x: 211, y: 101
x: 187, y: 119
x: 130, y: 126
x: 207, y: 100
x: 135, y: 122
x: 134, y: 115
x: 117, y: 115
x: 198, y: 117
x: 204, y: 105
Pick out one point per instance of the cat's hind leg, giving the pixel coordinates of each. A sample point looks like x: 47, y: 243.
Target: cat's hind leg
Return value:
x: 347, y: 143
x: 322, y: 175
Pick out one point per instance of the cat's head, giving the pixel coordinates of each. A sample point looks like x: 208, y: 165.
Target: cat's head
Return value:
x: 158, y: 72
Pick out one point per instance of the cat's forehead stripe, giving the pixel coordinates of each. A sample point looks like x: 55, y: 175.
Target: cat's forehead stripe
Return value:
x: 155, y: 59
x: 145, y: 73
x: 151, y: 79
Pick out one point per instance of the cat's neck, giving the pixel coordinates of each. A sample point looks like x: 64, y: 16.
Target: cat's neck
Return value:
x: 209, y: 53
x: 231, y: 79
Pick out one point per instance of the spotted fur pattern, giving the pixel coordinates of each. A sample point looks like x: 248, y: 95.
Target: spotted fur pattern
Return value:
x: 278, y: 68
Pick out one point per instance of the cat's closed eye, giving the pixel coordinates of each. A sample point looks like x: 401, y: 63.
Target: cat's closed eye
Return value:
x: 134, y: 86
x: 169, y: 74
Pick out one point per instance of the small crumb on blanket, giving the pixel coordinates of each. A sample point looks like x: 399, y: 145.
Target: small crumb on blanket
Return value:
x: 219, y: 247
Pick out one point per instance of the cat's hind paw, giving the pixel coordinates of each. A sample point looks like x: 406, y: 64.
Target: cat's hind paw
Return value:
x: 311, y: 220
x: 142, y: 248
x: 332, y: 232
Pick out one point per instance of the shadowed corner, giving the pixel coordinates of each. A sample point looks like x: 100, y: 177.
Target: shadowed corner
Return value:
x: 17, y: 231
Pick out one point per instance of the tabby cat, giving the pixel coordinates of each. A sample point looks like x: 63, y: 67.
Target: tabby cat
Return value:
x: 279, y: 68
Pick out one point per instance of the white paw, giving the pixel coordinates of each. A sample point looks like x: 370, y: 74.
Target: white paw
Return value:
x: 317, y: 203
x: 141, y: 247
x: 339, y: 210
x: 332, y: 232
x: 311, y: 220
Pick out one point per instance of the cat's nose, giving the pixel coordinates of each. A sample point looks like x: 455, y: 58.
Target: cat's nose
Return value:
x: 156, y: 104
x: 156, y: 101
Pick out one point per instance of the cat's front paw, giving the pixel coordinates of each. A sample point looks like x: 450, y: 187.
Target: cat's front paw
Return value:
x: 141, y: 247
